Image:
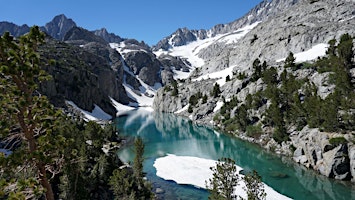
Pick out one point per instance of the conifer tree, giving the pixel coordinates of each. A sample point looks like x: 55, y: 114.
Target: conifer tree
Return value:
x: 225, y: 178
x: 290, y: 62
x: 257, y: 69
x: 28, y: 120
x: 138, y: 160
x: 254, y: 186
x: 216, y: 90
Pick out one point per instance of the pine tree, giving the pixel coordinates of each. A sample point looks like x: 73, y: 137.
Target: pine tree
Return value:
x: 204, y: 99
x: 225, y: 178
x: 138, y: 160
x: 332, y: 48
x: 27, y: 118
x: 290, y: 62
x: 257, y: 69
x: 345, y: 50
x: 175, y: 88
x: 216, y: 90
x: 254, y: 186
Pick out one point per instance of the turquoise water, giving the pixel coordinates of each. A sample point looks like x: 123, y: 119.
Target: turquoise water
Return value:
x: 168, y: 134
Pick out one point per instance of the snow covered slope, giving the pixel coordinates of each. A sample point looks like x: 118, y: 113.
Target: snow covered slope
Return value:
x: 313, y: 53
x: 143, y: 96
x: 191, y: 50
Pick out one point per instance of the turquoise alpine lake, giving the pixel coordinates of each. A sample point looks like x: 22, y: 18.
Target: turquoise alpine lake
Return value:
x: 165, y: 133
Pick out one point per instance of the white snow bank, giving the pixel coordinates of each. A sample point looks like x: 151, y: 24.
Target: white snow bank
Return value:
x: 316, y: 51
x: 141, y: 99
x: 121, y: 109
x: 95, y: 115
x: 220, y: 75
x: 182, y: 109
x: 178, y: 74
x: 191, y: 50
x: 195, y: 171
x: 233, y: 37
x: 218, y: 106
x: 121, y: 48
x: 188, y: 51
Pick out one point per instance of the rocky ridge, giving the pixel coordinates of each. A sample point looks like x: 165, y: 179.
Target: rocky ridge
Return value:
x: 260, y: 12
x: 133, y: 66
x: 14, y: 29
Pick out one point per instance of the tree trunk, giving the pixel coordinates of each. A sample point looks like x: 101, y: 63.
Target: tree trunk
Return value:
x: 44, y: 181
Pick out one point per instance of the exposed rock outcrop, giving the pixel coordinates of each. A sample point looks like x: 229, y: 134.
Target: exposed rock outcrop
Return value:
x: 82, y: 77
x: 145, y: 65
x: 314, y: 150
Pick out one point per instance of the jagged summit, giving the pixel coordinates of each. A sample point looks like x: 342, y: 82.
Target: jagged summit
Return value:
x: 261, y: 12
x: 108, y: 37
x: 14, y: 29
x: 59, y: 26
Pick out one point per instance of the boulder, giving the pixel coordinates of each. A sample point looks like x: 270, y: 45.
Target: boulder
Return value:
x: 352, y: 160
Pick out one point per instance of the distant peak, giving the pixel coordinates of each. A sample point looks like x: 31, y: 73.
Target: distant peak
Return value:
x: 61, y: 16
x: 103, y: 31
x: 59, y: 26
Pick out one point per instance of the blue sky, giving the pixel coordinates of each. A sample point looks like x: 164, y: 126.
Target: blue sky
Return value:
x: 147, y: 20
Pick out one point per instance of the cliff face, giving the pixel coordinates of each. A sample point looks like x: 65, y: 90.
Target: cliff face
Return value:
x: 83, y: 77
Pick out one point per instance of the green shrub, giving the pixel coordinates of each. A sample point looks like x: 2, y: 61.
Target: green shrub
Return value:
x: 204, y: 99
x: 337, y: 141
x: 190, y: 109
x: 241, y: 76
x: 254, y: 131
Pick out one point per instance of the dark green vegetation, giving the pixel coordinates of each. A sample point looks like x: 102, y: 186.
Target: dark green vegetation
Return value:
x: 226, y: 178
x: 194, y: 99
x: 254, y: 186
x: 126, y: 184
x: 290, y: 101
x: 53, y: 155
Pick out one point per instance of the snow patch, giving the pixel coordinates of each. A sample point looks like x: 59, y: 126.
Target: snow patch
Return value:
x: 143, y: 97
x: 195, y: 171
x: 220, y: 75
x: 97, y: 114
x: 121, y: 48
x: 121, y: 109
x: 178, y: 74
x: 182, y: 109
x: 233, y: 37
x: 218, y: 106
x: 191, y: 50
x: 316, y: 51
